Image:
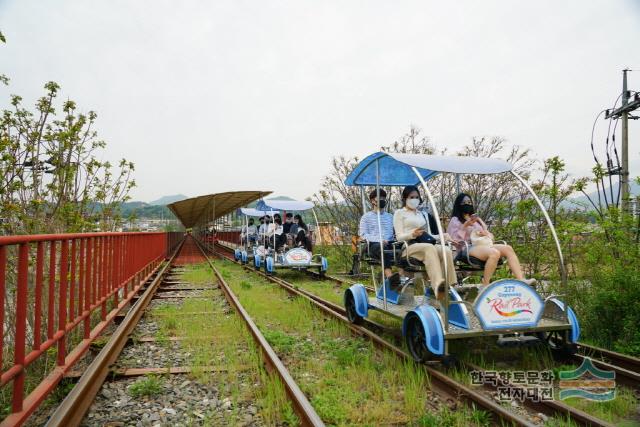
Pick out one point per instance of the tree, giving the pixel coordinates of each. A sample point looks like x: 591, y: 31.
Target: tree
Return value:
x: 52, y: 178
x: 342, y: 205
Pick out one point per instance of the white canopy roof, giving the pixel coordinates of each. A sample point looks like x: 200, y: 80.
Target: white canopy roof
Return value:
x: 454, y: 164
x: 256, y: 212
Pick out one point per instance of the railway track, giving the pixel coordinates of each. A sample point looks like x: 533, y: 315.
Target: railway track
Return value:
x: 440, y: 382
x: 167, y: 285
x: 627, y: 376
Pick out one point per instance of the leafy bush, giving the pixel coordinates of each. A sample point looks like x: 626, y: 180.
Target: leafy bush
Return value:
x: 607, y: 302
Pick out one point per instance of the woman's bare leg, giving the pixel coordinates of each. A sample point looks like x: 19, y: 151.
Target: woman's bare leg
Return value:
x: 490, y: 256
x: 512, y: 259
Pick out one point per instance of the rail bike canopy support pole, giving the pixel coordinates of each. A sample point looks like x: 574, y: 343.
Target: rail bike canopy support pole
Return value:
x: 313, y: 211
x: 443, y: 246
x: 380, y: 241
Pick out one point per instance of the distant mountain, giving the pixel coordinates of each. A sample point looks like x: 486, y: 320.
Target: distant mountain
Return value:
x: 165, y: 200
x: 133, y: 205
x: 145, y: 210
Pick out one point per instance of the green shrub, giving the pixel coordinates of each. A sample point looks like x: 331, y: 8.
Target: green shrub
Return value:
x: 607, y: 300
x: 610, y: 314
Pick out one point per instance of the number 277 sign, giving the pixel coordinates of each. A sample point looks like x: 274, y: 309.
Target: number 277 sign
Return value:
x: 508, y: 304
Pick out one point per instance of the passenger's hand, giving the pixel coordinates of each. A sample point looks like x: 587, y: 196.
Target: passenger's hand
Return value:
x: 483, y: 233
x: 417, y: 232
x: 470, y: 221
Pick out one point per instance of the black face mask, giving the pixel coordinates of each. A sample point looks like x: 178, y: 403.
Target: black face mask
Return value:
x: 468, y: 209
x: 382, y: 203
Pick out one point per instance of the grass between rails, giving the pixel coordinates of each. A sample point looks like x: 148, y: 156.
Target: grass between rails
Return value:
x: 347, y: 380
x: 334, y: 292
x: 218, y: 339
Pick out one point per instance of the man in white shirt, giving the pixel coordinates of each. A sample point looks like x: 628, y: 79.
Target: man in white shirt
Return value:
x: 262, y: 230
x: 249, y: 233
x: 370, y: 232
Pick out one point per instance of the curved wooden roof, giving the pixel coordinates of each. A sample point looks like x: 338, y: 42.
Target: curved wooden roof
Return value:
x: 190, y: 211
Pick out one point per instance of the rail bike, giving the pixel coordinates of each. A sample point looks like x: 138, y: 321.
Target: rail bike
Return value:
x: 278, y: 250
x: 508, y: 309
x: 250, y: 244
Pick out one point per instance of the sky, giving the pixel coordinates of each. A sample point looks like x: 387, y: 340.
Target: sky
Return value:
x: 212, y: 96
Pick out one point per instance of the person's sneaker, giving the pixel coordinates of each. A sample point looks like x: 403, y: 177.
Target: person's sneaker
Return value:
x: 530, y: 282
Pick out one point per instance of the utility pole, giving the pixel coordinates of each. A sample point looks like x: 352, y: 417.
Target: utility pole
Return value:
x: 623, y: 113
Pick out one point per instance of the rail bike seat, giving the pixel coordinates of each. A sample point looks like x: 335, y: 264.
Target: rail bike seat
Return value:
x: 407, y: 263
x: 365, y: 255
x: 467, y: 263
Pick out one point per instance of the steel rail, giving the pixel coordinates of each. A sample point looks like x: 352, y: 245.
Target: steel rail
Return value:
x: 301, y: 405
x: 74, y: 407
x: 440, y: 382
x: 624, y: 361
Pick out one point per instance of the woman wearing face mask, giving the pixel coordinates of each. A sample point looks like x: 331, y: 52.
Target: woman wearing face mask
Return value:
x: 274, y: 232
x: 464, y: 222
x: 420, y: 230
x: 301, y: 231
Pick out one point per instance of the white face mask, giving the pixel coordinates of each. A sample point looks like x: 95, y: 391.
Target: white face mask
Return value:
x: 413, y: 203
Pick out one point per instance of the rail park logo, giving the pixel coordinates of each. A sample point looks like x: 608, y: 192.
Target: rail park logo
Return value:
x: 508, y: 303
x: 516, y: 304
x: 297, y: 256
x: 588, y: 382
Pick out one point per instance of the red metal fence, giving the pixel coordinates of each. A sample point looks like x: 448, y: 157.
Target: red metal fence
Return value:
x: 228, y: 236
x: 57, y: 294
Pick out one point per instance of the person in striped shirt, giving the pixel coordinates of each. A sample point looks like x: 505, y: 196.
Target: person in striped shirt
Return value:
x: 370, y: 232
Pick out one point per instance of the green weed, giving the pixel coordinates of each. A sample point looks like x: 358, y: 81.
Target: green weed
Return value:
x: 150, y: 385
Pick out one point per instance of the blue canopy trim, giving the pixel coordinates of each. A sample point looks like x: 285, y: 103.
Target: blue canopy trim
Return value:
x: 397, y: 168
x: 283, y: 205
x: 392, y: 172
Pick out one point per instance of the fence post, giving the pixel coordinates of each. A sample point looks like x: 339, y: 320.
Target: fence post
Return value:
x: 21, y: 326
x: 62, y: 301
